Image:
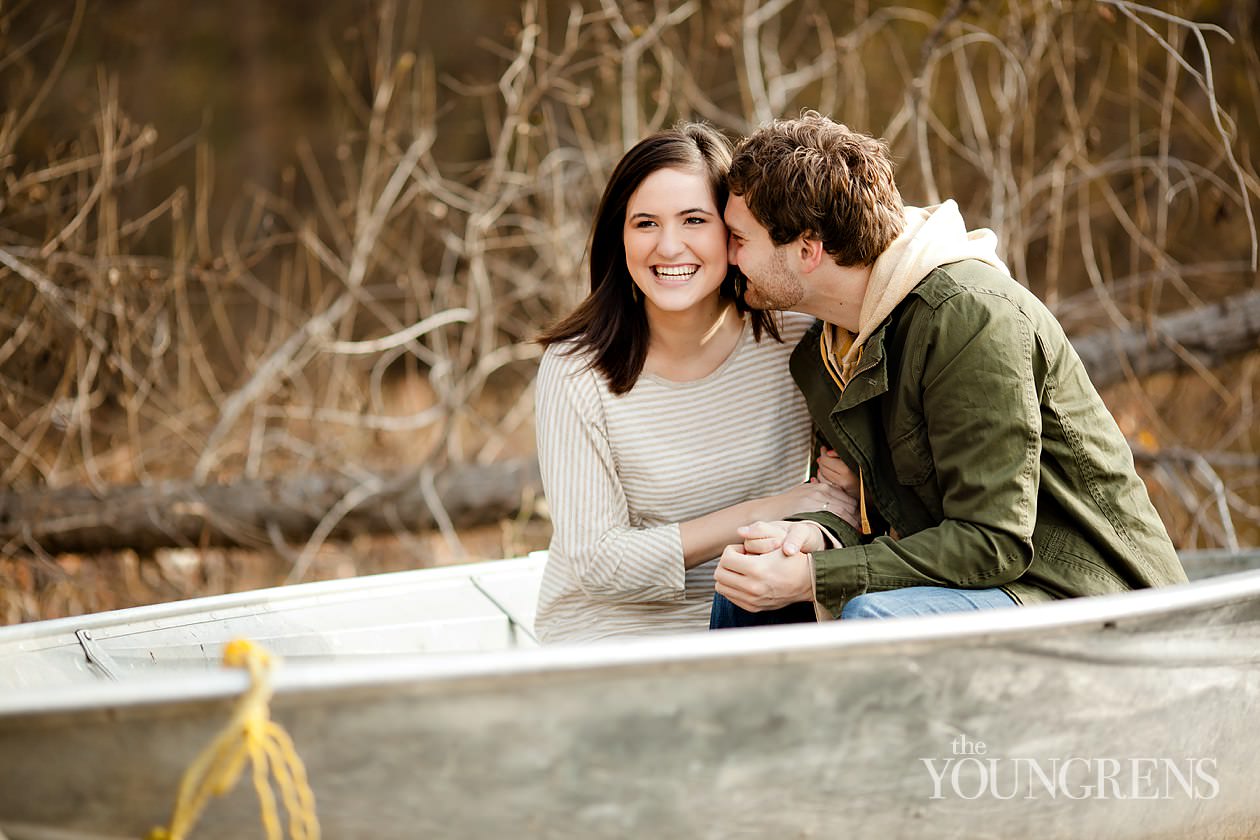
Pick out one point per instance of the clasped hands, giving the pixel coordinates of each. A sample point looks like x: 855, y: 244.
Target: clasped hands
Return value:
x: 772, y: 567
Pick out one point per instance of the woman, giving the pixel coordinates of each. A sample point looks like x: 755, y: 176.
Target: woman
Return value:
x: 664, y: 421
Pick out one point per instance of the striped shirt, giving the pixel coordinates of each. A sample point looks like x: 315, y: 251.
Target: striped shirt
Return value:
x: 620, y: 473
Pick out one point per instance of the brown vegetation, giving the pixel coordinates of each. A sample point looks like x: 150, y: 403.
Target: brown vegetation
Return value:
x: 373, y: 313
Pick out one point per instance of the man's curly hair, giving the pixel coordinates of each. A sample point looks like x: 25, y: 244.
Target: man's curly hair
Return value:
x: 818, y: 178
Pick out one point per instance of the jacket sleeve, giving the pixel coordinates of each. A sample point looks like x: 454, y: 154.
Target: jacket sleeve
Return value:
x: 982, y: 430
x: 592, y: 539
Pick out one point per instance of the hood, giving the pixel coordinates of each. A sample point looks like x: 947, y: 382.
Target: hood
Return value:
x: 933, y: 236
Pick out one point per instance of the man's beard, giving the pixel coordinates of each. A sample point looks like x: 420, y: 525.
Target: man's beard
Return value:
x: 779, y: 287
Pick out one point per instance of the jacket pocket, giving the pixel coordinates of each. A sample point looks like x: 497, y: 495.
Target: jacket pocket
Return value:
x: 912, y: 456
x: 1084, y: 570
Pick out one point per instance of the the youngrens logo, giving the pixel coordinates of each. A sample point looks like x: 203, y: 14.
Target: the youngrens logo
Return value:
x: 971, y: 773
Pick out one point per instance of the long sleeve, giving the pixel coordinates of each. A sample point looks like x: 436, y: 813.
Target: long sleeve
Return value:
x: 594, y: 541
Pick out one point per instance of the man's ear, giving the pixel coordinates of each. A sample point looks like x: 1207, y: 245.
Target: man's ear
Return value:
x: 811, y: 252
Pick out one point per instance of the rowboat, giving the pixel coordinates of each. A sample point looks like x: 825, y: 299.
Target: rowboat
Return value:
x: 423, y: 707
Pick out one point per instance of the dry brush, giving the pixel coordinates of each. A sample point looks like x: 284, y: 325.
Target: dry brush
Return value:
x: 366, y: 328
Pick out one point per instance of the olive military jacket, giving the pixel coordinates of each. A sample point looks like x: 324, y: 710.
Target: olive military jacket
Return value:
x: 986, y: 455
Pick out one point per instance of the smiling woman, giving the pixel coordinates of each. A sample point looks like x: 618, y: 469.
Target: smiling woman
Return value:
x: 664, y: 421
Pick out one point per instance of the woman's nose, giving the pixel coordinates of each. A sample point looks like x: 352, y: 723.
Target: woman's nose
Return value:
x: 670, y: 243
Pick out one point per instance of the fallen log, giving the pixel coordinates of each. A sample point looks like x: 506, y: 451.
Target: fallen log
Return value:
x: 253, y: 513
x: 1206, y: 336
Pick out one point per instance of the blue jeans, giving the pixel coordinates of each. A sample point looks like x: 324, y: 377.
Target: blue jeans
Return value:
x: 894, y: 603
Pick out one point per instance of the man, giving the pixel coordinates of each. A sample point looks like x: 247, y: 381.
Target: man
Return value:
x: 985, y: 468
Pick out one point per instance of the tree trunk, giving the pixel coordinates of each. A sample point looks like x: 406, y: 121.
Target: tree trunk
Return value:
x: 250, y: 513
x: 1208, y: 334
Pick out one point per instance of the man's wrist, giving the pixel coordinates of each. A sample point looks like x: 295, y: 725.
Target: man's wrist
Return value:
x: 821, y: 541
x: 809, y: 573
x: 827, y: 540
x: 805, y: 578
x: 838, y: 532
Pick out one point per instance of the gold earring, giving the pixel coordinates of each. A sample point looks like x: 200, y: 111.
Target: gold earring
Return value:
x: 634, y: 292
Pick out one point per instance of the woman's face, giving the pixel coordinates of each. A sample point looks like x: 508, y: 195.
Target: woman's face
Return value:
x: 675, y: 241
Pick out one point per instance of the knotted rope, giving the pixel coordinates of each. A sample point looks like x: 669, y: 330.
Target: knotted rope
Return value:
x: 249, y: 734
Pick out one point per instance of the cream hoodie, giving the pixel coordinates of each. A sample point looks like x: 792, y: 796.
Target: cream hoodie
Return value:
x: 933, y: 236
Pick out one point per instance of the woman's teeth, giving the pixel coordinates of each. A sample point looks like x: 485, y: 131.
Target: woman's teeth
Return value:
x: 676, y: 270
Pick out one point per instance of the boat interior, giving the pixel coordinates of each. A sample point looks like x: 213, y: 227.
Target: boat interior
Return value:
x: 446, y: 610
x: 450, y: 609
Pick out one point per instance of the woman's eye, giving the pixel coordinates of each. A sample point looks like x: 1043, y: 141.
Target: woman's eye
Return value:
x: 696, y: 220
x: 644, y: 223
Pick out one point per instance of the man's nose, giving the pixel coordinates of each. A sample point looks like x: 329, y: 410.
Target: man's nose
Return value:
x: 732, y: 251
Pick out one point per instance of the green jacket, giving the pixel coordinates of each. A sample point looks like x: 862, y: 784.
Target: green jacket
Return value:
x: 987, y: 457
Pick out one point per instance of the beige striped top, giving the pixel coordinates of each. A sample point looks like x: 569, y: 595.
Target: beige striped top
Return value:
x: 620, y: 473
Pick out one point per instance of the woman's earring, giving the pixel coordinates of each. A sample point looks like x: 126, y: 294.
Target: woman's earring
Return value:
x: 739, y: 286
x: 634, y: 292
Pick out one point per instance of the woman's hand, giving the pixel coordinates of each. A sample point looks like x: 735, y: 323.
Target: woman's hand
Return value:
x: 812, y: 496
x: 833, y: 470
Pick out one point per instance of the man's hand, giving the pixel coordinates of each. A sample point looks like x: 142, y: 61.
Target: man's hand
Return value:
x: 759, y: 582
x: 790, y: 537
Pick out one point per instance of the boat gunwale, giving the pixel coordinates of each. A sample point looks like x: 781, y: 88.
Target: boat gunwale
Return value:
x: 62, y: 630
x: 779, y: 644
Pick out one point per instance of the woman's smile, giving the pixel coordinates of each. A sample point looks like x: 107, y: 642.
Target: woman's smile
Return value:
x: 675, y: 274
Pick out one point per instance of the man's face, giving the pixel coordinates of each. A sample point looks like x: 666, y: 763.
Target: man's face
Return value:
x: 770, y: 281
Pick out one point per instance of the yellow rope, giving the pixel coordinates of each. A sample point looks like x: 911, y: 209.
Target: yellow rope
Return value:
x: 250, y: 735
